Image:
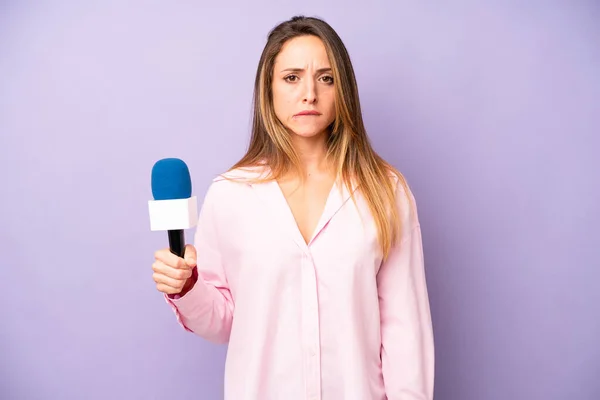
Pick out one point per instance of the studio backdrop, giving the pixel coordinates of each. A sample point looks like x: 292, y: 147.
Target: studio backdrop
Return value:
x: 490, y: 109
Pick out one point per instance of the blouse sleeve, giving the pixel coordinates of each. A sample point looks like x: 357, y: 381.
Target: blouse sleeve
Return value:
x: 407, y: 350
x: 207, y: 309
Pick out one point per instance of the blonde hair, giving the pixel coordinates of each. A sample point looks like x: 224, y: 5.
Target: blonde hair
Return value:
x: 348, y: 145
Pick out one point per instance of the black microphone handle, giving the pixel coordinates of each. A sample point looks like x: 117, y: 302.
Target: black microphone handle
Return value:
x: 177, y: 242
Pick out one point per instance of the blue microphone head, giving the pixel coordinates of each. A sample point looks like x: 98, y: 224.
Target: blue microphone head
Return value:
x: 171, y: 180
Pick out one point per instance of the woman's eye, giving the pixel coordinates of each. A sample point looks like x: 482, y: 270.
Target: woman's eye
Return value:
x: 294, y: 78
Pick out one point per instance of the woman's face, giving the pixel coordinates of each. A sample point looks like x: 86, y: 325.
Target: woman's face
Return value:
x: 303, y: 87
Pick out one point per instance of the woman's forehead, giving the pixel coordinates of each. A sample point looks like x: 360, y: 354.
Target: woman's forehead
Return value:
x: 302, y: 52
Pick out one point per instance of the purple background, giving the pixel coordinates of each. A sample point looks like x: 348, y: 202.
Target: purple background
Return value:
x: 491, y: 111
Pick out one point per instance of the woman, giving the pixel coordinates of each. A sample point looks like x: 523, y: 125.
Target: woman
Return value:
x: 307, y: 259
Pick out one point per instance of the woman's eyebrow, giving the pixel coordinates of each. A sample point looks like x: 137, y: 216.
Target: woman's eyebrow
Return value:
x: 302, y: 69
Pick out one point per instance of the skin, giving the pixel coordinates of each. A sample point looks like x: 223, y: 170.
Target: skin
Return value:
x: 302, y: 80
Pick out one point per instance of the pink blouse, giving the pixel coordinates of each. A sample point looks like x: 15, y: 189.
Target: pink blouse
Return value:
x: 325, y: 320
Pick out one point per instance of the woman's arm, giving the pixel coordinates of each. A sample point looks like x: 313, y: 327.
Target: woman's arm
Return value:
x: 206, y: 307
x: 407, y: 350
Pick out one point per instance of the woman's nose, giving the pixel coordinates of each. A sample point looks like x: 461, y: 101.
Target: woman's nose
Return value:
x: 310, y: 92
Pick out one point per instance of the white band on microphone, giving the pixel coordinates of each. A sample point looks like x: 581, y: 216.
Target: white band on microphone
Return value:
x: 166, y: 215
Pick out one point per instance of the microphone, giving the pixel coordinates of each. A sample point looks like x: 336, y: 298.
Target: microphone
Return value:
x: 173, y: 209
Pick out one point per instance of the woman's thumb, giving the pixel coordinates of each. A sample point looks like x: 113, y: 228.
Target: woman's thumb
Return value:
x: 189, y: 255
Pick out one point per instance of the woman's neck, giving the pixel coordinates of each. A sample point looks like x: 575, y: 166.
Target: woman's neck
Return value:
x: 312, y: 153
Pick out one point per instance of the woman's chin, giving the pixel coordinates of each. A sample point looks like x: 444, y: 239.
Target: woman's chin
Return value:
x: 308, y: 133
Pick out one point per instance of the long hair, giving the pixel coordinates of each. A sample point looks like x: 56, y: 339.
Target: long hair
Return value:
x: 348, y: 145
